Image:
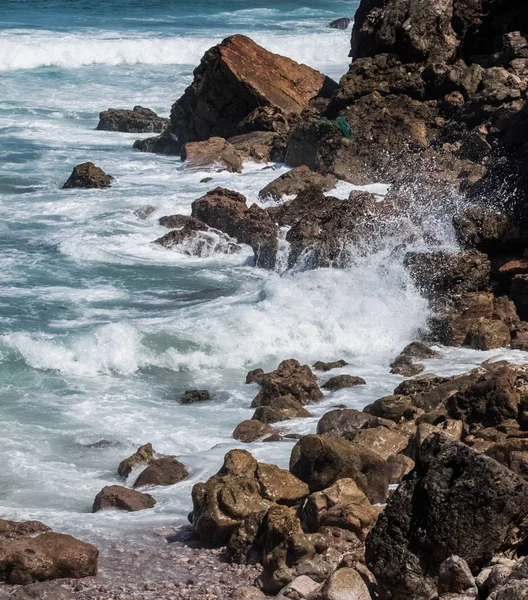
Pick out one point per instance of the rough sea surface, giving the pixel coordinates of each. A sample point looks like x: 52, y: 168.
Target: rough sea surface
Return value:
x: 100, y: 330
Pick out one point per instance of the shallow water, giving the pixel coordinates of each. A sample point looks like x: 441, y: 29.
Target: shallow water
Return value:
x: 101, y: 330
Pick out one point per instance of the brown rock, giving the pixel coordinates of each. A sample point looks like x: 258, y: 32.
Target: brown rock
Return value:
x: 47, y: 556
x: 137, y: 120
x: 162, y: 471
x: 14, y: 529
x: 398, y: 465
x: 259, y: 146
x: 513, y: 454
x: 383, y: 441
x: 193, y: 396
x: 394, y: 408
x: 320, y: 461
x: 345, y: 584
x: 215, y: 153
x: 144, y: 454
x: 282, y: 408
x: 340, y: 382
x: 328, y: 366
x: 296, y: 181
x: 347, y: 422
x: 40, y: 591
x: 255, y: 376
x: 182, y: 221
x: 87, y: 175
x: 280, y: 486
x: 122, y: 498
x: 253, y: 431
x: 227, y: 211
x: 488, y: 334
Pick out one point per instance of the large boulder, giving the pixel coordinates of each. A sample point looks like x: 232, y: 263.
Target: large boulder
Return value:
x: 47, y: 556
x: 320, y: 461
x: 122, y: 498
x: 345, y: 584
x: 455, y: 502
x: 137, y: 120
x: 252, y: 430
x: 278, y: 409
x: 227, y: 211
x: 87, y: 175
x: 162, y: 471
x: 235, y: 78
x: 213, y: 154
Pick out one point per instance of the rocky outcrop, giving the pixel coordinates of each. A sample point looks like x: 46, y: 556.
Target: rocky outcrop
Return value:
x: 227, y: 211
x: 236, y: 78
x: 87, y: 175
x: 137, y: 120
x: 214, y: 154
x: 49, y: 555
x: 455, y: 502
x: 162, y: 471
x: 122, y: 498
x: 144, y: 454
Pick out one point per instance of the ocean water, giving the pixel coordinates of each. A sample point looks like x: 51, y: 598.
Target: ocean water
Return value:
x: 100, y: 330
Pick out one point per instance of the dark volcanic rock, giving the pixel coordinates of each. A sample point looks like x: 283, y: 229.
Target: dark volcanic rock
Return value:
x: 235, y: 78
x: 122, y: 498
x: 138, y: 120
x: 342, y: 23
x: 227, y: 211
x: 166, y: 143
x: 192, y: 396
x: 162, y: 471
x: 14, y: 529
x: 456, y: 501
x: 47, y: 556
x: 87, y: 175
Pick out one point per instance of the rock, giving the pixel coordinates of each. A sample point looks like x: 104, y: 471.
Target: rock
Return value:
x: 192, y: 242
x: 182, y: 222
x: 143, y: 212
x: 512, y: 453
x: 489, y: 400
x: 383, y: 441
x: 255, y: 376
x: 296, y: 181
x: 282, y: 408
x: 393, y: 408
x: 144, y: 454
x: 41, y: 591
x: 455, y: 502
x: 519, y: 294
x: 47, y: 556
x: 340, y: 382
x: 341, y: 505
x: 122, y: 498
x: 328, y: 366
x: 345, y: 584
x: 193, y: 396
x: 301, y: 587
x: 404, y: 365
x: 290, y: 378
x: 235, y: 78
x: 215, y: 153
x: 260, y: 146
x: 488, y: 334
x: 14, y: 529
x: 455, y: 577
x: 320, y: 461
x: 343, y: 23
x: 398, y: 465
x: 166, y: 143
x: 138, y: 120
x: 280, y: 486
x: 87, y: 175
x: 247, y: 593
x: 162, y: 471
x: 253, y: 431
x: 346, y: 423
x: 227, y: 211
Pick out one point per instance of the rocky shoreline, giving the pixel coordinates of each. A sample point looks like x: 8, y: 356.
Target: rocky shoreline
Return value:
x: 422, y: 495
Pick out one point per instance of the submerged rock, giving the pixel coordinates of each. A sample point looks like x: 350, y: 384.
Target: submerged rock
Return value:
x: 87, y: 175
x: 122, y: 498
x: 144, y: 454
x: 192, y: 396
x: 342, y: 23
x: 137, y: 120
x: 328, y: 366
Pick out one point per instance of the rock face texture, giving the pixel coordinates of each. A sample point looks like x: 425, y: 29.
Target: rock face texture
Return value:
x: 137, y: 120
x: 87, y: 175
x: 455, y: 502
x: 122, y: 498
x: 235, y: 78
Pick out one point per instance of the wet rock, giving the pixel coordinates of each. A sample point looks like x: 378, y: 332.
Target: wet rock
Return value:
x: 488, y: 334
x: 345, y: 584
x: 138, y: 120
x: 255, y: 376
x: 215, y: 153
x: 342, y: 23
x: 290, y: 378
x: 455, y: 502
x: 341, y: 505
x: 296, y: 181
x: 278, y: 409
x: 404, y: 364
x: 166, y: 143
x: 182, y: 221
x: 48, y: 556
x: 394, y: 408
x: 328, y: 366
x: 320, y: 461
x: 340, y: 382
x: 233, y: 79
x: 455, y: 577
x: 162, y: 471
x: 513, y: 454
x: 346, y: 423
x: 15, y: 529
x: 260, y: 146
x: 203, y: 243
x: 383, y: 441
x: 144, y: 454
x: 253, y: 431
x: 122, y: 498
x: 87, y: 175
x: 227, y: 211
x: 193, y: 396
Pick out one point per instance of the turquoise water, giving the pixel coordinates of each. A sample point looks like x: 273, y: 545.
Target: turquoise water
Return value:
x: 100, y: 330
